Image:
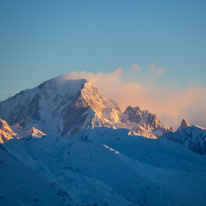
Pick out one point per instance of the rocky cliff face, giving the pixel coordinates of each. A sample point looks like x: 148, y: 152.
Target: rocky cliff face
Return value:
x: 184, y: 123
x: 6, y: 132
x: 87, y: 109
x: 143, y: 122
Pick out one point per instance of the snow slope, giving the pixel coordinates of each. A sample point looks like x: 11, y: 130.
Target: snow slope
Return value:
x: 193, y: 137
x: 106, y: 166
x: 22, y: 186
x: 49, y: 157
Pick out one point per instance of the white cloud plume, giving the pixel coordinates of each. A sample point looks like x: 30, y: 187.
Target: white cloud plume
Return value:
x: 169, y: 103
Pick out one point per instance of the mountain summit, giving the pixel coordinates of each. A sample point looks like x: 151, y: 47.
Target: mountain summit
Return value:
x: 59, y: 105
x: 65, y: 107
x: 184, y: 123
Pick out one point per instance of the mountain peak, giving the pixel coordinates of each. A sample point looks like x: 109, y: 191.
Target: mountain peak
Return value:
x: 66, y: 106
x: 62, y: 85
x: 184, y: 123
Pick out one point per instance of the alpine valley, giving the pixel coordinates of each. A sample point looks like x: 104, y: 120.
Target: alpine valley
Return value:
x: 62, y: 143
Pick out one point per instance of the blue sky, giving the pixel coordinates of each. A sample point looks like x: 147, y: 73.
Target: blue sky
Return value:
x: 41, y: 39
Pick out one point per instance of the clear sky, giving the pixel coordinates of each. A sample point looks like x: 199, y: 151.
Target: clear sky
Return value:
x: 42, y: 39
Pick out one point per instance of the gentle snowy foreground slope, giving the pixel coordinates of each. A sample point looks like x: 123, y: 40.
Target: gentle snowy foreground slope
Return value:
x: 103, y: 166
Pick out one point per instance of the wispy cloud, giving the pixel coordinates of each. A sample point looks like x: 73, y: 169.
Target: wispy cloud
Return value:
x: 136, y: 67
x: 152, y: 65
x: 158, y: 68
x: 169, y: 103
x: 161, y: 69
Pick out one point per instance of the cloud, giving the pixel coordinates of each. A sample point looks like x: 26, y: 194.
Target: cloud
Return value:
x: 152, y: 65
x: 169, y: 103
x: 136, y: 67
x: 161, y: 69
x: 107, y: 83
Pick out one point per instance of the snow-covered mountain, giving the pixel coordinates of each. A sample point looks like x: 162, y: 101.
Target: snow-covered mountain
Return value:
x: 15, y: 131
x: 59, y: 105
x: 102, y: 166
x: 66, y: 107
x: 192, y: 137
x: 143, y: 122
x: 101, y: 160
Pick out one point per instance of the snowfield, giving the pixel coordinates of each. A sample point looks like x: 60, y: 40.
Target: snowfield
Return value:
x: 103, y: 166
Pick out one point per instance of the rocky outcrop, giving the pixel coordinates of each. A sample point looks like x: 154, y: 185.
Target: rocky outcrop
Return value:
x: 15, y: 131
x: 87, y: 109
x: 143, y: 121
x: 184, y: 123
x: 6, y: 132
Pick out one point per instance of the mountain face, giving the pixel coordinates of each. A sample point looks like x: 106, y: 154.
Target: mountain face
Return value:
x: 62, y: 106
x: 142, y: 121
x: 193, y: 137
x: 101, y: 166
x: 66, y: 107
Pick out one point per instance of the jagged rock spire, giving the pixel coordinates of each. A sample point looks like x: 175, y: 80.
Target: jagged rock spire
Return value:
x: 184, y: 123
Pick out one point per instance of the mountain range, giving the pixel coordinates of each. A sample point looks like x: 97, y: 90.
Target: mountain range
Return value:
x: 65, y: 144
x: 66, y: 107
